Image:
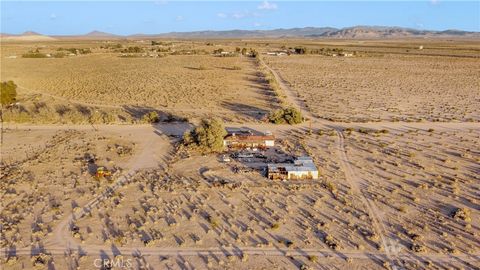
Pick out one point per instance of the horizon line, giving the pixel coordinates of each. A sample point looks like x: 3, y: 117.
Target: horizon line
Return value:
x: 237, y: 29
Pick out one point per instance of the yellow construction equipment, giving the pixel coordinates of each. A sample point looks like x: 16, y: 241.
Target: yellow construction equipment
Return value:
x: 102, y: 172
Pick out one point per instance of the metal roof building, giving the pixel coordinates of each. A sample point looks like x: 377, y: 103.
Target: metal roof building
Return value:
x: 301, y: 168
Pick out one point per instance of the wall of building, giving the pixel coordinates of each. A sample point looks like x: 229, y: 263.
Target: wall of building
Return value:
x: 303, y: 175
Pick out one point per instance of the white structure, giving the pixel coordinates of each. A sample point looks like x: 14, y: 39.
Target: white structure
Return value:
x: 302, y: 168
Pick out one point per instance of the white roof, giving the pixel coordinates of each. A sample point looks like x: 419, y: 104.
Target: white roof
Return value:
x: 301, y: 164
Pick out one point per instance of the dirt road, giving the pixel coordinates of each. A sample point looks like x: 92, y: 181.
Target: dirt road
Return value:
x: 178, y: 129
x: 290, y: 94
x: 354, y: 182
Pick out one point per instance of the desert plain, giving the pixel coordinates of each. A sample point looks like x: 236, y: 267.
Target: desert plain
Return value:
x: 393, y: 129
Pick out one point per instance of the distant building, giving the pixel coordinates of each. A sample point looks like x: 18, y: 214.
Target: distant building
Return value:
x: 246, y: 139
x: 301, y: 168
x: 277, y: 53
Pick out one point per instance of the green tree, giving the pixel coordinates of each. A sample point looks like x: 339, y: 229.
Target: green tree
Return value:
x: 244, y: 51
x: 286, y: 116
x: 8, y: 92
x: 300, y: 50
x: 208, y: 136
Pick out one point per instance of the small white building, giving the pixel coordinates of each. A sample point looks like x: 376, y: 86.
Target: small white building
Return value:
x: 301, y: 168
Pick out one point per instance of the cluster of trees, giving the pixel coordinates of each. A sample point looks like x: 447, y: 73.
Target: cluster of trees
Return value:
x: 326, y: 51
x: 76, y: 50
x: 134, y: 49
x: 111, y: 46
x: 162, y: 49
x: 155, y: 43
x: 59, y: 54
x: 8, y: 91
x: 300, y: 50
x: 34, y: 54
x: 207, y: 137
x: 288, y: 115
x: 244, y: 51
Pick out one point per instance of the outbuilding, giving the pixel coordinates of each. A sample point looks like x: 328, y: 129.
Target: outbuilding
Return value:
x: 301, y: 168
x: 234, y: 140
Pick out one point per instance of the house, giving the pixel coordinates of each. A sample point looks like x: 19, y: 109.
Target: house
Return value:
x: 301, y: 168
x: 247, y: 139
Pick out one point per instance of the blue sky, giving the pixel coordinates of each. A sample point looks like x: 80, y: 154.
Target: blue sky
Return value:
x: 131, y: 17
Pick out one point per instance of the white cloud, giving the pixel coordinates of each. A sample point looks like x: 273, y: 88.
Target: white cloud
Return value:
x: 179, y: 18
x: 239, y: 15
x: 268, y: 6
x: 433, y: 2
x: 53, y: 16
x: 257, y: 24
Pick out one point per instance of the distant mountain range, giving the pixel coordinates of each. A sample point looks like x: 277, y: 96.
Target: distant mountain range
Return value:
x: 356, y: 32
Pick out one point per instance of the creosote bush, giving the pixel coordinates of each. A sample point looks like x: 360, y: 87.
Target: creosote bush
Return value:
x: 150, y: 117
x: 462, y: 214
x: 207, y: 137
x: 286, y: 116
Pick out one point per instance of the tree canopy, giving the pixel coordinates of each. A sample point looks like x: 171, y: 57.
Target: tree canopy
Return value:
x: 287, y: 115
x: 208, y: 136
x: 8, y: 92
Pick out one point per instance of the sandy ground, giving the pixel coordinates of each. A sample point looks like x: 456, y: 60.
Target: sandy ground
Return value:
x: 388, y: 196
x: 390, y: 87
x: 177, y: 208
x: 186, y: 85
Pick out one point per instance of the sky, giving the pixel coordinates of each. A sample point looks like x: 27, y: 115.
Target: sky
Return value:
x: 151, y: 17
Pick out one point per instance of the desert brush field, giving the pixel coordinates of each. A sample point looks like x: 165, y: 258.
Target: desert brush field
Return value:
x: 392, y: 129
x: 385, y: 88
x: 183, y: 85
